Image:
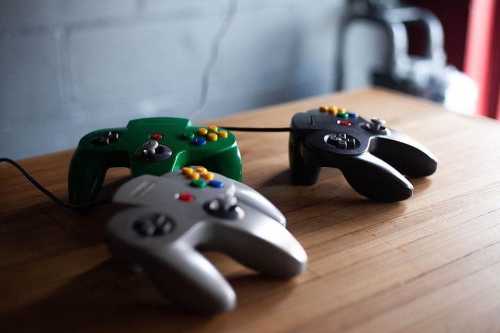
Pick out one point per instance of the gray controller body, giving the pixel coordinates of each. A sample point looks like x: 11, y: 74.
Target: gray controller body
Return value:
x: 172, y: 222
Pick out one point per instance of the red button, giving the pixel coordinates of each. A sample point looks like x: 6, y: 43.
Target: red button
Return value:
x: 156, y: 136
x: 345, y: 123
x: 185, y: 196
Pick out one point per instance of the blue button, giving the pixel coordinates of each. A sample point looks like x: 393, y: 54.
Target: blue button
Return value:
x: 199, y: 141
x: 216, y: 183
x: 352, y: 115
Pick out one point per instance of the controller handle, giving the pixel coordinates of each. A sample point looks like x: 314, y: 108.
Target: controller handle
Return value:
x: 274, y: 251
x: 304, y: 171
x: 405, y: 154
x: 184, y: 275
x: 376, y: 179
x: 88, y: 167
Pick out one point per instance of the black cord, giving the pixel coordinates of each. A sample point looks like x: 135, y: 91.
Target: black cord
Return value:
x: 258, y: 129
x: 42, y: 189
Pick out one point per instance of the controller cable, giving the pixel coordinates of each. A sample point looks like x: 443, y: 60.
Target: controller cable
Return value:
x: 257, y: 129
x: 45, y: 191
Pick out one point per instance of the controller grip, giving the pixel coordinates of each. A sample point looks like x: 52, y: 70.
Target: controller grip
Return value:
x: 87, y: 171
x: 405, y: 154
x: 376, y: 179
x: 185, y: 276
x: 86, y: 175
x: 303, y: 170
x: 274, y: 251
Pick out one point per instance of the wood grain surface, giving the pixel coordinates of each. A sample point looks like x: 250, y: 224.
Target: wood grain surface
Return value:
x: 428, y: 264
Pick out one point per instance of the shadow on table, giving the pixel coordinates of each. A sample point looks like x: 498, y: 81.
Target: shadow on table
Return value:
x: 331, y: 202
x: 111, y: 298
x: 284, y: 178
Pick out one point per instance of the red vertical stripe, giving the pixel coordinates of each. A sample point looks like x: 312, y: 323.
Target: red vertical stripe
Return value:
x: 479, y: 56
x: 495, y: 67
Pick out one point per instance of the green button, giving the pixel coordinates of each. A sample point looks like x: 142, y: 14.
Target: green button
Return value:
x: 343, y: 115
x: 200, y: 183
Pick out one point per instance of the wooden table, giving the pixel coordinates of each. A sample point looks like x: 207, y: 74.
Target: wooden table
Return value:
x: 430, y: 263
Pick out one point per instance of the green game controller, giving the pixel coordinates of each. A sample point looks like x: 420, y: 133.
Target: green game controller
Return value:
x: 150, y: 146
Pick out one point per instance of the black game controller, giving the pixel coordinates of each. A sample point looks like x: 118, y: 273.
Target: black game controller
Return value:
x: 373, y: 158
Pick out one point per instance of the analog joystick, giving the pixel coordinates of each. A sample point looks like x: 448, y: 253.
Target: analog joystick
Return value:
x: 225, y: 206
x: 376, y: 125
x: 153, y: 150
x: 342, y: 141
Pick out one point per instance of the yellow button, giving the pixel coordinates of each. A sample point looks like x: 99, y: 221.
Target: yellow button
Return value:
x: 208, y: 176
x: 212, y: 137
x: 187, y: 171
x: 194, y: 176
x: 323, y: 108
x: 223, y: 134
x: 202, y: 131
x: 201, y: 169
x: 332, y: 110
x: 213, y: 128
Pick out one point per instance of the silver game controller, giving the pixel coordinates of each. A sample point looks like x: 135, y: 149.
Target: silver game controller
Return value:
x: 179, y: 214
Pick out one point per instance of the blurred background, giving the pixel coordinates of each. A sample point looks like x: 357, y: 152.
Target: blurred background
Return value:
x: 68, y: 67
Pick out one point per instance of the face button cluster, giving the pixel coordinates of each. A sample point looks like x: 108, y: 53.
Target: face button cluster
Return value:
x: 153, y: 225
x: 342, y: 141
x: 375, y: 126
x: 212, y: 133
x: 153, y: 150
x: 107, y: 138
x: 200, y: 177
x: 338, y: 112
